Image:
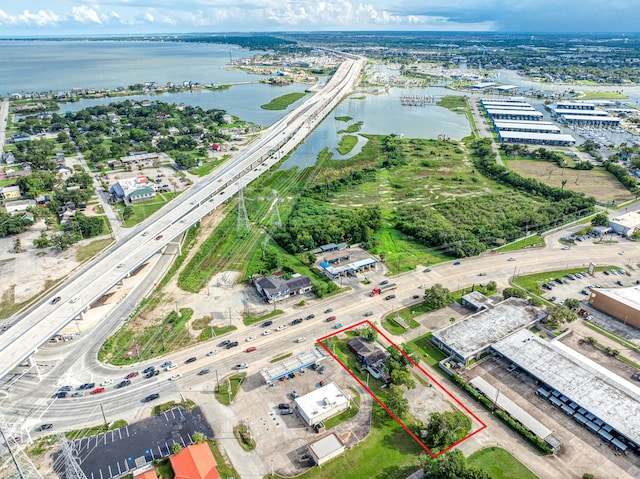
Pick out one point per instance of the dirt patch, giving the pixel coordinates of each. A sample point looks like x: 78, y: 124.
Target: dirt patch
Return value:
x: 597, y: 182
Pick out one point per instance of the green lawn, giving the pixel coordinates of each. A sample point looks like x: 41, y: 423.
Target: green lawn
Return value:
x: 428, y: 352
x: 88, y: 251
x: 347, y: 142
x: 499, y: 464
x: 234, y: 382
x: 602, y: 95
x: 144, y: 209
x: 533, y: 241
x: 388, y: 452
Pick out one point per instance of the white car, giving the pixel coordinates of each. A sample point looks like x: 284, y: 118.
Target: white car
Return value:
x: 266, y: 332
x: 301, y: 339
x: 566, y: 248
x: 242, y: 366
x: 251, y: 338
x: 621, y: 253
x: 74, y: 299
x: 511, y: 259
x: 212, y: 352
x: 175, y: 376
x: 171, y: 367
x: 106, y: 382
x: 281, y: 327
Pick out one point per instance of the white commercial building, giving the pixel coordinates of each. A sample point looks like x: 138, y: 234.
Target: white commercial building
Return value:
x: 325, y: 449
x: 596, y: 397
x: 322, y: 404
x: 534, y: 138
x: 626, y: 224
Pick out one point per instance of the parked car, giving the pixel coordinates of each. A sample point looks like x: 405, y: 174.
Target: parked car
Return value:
x: 416, y: 296
x: 97, y: 391
x: 61, y: 394
x: 106, y: 382
x: 151, y: 397
x: 77, y: 394
x: 190, y: 360
x: 286, y: 412
x: 284, y: 405
x: 294, y: 394
x: 87, y: 386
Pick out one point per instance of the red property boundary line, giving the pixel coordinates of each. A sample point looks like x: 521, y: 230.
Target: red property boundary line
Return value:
x: 431, y: 378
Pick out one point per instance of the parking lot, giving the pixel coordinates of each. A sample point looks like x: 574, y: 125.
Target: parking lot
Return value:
x: 577, y: 287
x: 580, y: 447
x: 283, y: 438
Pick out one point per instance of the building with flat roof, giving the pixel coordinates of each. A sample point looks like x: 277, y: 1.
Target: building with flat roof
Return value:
x: 530, y: 126
x: 501, y: 114
x: 133, y: 190
x: 509, y: 99
x: 523, y: 417
x: 292, y: 364
x: 584, y: 112
x: 598, y: 121
x: 621, y: 303
x: 322, y: 404
x: 535, y: 138
x: 604, y: 400
x: 348, y: 269
x: 325, y: 449
x: 473, y: 336
x: 575, y: 105
x: 626, y: 224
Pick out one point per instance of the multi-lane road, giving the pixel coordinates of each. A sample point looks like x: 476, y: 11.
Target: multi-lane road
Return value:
x: 52, y: 314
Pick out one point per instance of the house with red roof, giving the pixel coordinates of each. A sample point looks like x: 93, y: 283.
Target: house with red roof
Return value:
x: 195, y: 462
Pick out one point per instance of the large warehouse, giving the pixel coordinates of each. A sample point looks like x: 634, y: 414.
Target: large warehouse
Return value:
x: 473, y: 336
x: 621, y: 303
x: 534, y: 138
x: 595, y: 397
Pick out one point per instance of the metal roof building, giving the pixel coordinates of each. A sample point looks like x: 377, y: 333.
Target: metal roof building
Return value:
x: 596, y: 120
x: 325, y: 449
x: 516, y: 412
x: 530, y: 126
x: 534, y: 138
x: 583, y: 112
x: 474, y: 335
x: 292, y: 364
x: 501, y: 114
x: 611, y: 401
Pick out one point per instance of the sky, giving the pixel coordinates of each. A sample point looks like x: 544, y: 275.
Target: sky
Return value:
x: 99, y: 17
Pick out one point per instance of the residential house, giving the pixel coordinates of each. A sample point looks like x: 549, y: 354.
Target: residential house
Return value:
x: 10, y: 192
x: 195, y: 462
x: 371, y: 355
x: 273, y: 288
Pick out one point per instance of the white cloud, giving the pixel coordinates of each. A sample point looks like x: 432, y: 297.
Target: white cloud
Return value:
x: 85, y: 14
x: 149, y: 17
x: 41, y: 18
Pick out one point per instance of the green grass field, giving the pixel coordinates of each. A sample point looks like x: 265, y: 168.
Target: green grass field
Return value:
x: 499, y: 464
x: 602, y: 95
x: 282, y: 102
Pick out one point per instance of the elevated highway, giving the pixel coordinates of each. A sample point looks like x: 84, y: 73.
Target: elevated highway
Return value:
x: 46, y: 319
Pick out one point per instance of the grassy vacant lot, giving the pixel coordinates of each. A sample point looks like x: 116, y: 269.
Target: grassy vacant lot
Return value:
x: 602, y: 95
x: 388, y: 451
x: 229, y: 385
x: 88, y: 251
x: 499, y: 464
x: 347, y: 142
x: 144, y: 209
x: 282, y: 102
x: 597, y: 182
x: 428, y: 351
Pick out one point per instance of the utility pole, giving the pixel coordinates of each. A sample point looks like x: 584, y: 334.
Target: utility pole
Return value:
x: 217, y: 382
x: 104, y: 418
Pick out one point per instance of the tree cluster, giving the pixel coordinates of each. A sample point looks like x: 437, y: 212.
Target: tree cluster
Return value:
x: 444, y: 429
x: 437, y: 296
x: 451, y: 465
x: 312, y: 224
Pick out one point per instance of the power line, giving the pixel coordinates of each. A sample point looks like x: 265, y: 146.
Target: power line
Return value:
x: 15, y: 464
x: 69, y: 454
x: 243, y: 218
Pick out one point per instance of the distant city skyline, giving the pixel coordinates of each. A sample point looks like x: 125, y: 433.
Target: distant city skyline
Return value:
x: 85, y: 17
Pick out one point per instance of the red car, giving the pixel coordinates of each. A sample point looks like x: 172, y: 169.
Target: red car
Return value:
x: 159, y: 237
x: 331, y: 318
x: 97, y: 391
x: 131, y: 375
x: 252, y: 348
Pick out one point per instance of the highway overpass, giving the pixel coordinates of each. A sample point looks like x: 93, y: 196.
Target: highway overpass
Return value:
x: 38, y: 326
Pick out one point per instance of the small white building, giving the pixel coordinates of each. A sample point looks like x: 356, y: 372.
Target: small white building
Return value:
x: 19, y: 205
x: 625, y: 224
x: 322, y: 404
x: 325, y: 449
